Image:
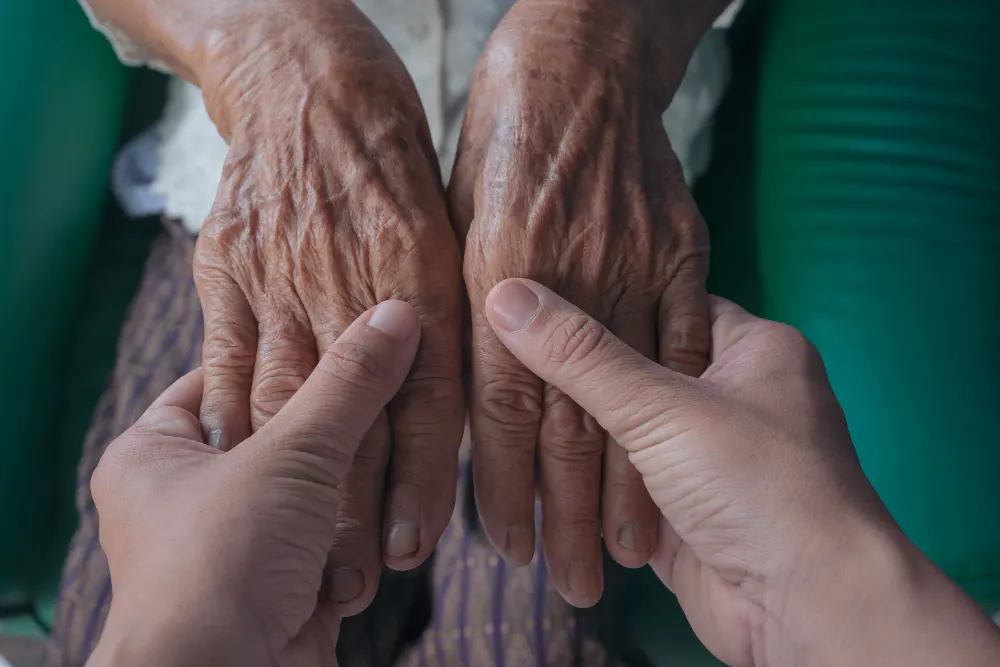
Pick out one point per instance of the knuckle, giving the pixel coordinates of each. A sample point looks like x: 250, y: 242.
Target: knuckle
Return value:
x: 275, y: 386
x: 355, y: 364
x: 576, y: 340
x: 168, y: 419
x: 511, y: 401
x: 575, y: 458
x: 792, y: 342
x: 230, y: 348
x: 315, y: 457
x: 104, y: 476
x: 568, y: 429
x: 113, y: 466
x: 576, y: 525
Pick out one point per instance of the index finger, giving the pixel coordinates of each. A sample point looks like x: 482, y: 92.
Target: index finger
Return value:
x: 564, y: 346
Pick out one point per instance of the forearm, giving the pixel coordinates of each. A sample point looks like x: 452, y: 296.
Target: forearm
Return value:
x: 176, y: 32
x: 194, y: 37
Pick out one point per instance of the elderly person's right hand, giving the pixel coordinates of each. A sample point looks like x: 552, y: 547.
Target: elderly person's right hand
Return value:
x: 331, y: 202
x: 775, y: 543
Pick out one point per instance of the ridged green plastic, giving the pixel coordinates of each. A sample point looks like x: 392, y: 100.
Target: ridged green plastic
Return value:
x: 878, y: 213
x: 61, y: 95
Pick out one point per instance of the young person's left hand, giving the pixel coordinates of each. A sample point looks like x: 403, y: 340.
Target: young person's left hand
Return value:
x: 218, y: 558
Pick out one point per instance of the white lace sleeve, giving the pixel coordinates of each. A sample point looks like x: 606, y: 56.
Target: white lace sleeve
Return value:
x: 128, y: 51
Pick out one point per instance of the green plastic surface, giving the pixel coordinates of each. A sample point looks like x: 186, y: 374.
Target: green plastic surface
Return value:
x: 61, y: 94
x: 878, y: 213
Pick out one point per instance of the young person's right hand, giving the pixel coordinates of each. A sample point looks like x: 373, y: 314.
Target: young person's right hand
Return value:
x: 776, y: 545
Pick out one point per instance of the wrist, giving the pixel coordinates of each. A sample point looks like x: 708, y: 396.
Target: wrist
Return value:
x: 258, y: 61
x: 871, y: 597
x: 166, y: 631
x: 646, y: 43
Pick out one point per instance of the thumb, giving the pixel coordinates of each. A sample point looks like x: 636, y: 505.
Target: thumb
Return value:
x: 360, y: 373
x: 633, y: 398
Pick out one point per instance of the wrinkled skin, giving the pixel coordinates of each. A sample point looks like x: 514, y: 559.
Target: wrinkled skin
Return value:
x: 565, y: 175
x: 331, y: 202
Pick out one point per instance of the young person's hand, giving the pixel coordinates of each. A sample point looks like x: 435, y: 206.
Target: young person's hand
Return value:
x: 218, y: 558
x: 776, y: 545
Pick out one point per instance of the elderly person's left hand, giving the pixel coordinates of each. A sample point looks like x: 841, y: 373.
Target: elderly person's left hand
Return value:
x: 218, y: 558
x: 565, y: 175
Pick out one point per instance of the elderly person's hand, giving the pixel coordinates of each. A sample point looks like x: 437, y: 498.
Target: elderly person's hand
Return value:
x: 777, y: 547
x: 566, y: 175
x: 330, y: 202
x: 218, y: 558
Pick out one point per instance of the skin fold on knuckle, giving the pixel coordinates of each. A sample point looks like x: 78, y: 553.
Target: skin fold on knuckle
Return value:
x: 314, y: 452
x: 229, y: 349
x: 569, y: 442
x: 274, y: 387
x: 356, y: 364
x: 509, y: 401
x: 644, y: 419
x: 576, y: 345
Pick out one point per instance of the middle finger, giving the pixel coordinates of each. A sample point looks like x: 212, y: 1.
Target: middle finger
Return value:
x: 570, y: 449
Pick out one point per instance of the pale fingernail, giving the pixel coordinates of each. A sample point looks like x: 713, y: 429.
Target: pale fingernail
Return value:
x: 634, y: 538
x: 520, y: 548
x: 348, y: 585
x: 217, y: 439
x: 395, y: 319
x: 584, y: 581
x: 515, y: 306
x: 403, y: 539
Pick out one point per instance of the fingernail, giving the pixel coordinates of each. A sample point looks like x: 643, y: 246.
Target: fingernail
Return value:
x: 216, y: 439
x: 395, y: 319
x: 348, y: 585
x: 515, y: 306
x: 520, y: 548
x: 403, y: 539
x: 634, y: 538
x: 584, y: 580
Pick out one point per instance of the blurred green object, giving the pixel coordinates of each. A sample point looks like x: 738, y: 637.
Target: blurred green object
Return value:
x: 878, y: 214
x: 61, y: 97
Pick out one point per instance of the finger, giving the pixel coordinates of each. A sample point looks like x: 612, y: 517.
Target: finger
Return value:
x: 354, y: 566
x: 355, y: 561
x: 630, y: 518
x: 228, y: 357
x: 505, y: 417
x: 428, y: 419
x: 286, y: 356
x: 685, y: 332
x: 175, y: 412
x: 638, y: 402
x: 352, y: 383
x: 570, y: 448
x: 729, y: 323
x: 185, y: 394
